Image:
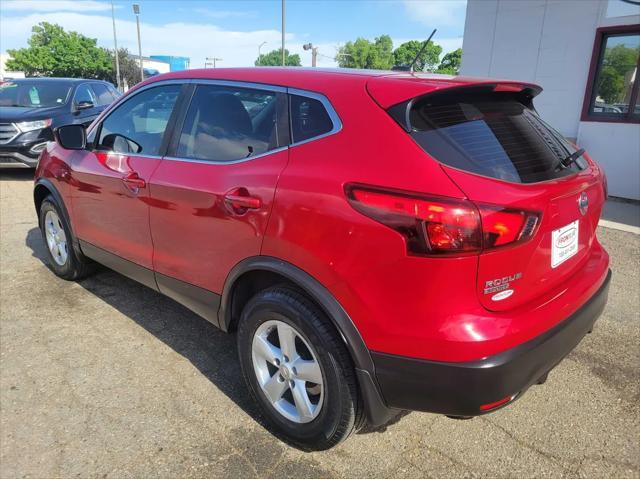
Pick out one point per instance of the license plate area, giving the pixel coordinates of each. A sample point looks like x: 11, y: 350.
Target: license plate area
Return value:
x: 564, y: 243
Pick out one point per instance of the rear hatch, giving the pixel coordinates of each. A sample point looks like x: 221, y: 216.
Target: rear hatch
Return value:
x: 539, y: 217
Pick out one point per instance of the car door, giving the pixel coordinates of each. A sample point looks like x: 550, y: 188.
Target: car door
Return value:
x: 110, y: 194
x: 212, y: 196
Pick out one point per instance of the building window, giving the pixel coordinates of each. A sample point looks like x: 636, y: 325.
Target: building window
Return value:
x: 622, y: 8
x: 612, y: 90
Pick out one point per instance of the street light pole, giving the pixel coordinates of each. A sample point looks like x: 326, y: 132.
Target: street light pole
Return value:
x: 283, y: 59
x: 314, y: 53
x: 259, y: 47
x: 136, y: 11
x: 115, y: 42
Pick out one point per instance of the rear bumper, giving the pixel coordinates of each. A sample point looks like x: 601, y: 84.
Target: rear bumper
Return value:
x: 460, y: 389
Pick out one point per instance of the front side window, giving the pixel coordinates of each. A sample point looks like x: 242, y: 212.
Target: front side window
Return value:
x: 228, y: 124
x: 309, y: 118
x: 614, y: 86
x: 84, y: 94
x: 138, y: 125
x: 103, y: 94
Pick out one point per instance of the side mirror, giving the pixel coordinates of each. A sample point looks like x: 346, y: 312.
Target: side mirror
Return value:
x: 83, y: 105
x: 71, y: 137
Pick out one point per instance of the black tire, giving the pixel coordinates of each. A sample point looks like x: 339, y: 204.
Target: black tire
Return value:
x: 341, y: 413
x: 76, y: 266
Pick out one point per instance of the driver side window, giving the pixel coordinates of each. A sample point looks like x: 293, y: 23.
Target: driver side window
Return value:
x: 84, y: 94
x: 138, y: 124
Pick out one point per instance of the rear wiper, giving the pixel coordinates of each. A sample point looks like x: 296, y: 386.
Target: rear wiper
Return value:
x: 569, y: 160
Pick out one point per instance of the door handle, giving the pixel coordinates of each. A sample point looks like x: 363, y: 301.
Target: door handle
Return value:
x: 133, y: 182
x: 239, y: 201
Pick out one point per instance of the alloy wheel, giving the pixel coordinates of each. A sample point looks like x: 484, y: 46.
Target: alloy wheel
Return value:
x: 288, y: 371
x: 56, y: 238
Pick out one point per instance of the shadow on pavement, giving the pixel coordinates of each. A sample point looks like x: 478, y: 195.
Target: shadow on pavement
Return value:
x: 211, y: 351
x: 17, y: 174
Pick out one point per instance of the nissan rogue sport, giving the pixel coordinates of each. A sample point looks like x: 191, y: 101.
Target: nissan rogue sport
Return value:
x: 378, y: 241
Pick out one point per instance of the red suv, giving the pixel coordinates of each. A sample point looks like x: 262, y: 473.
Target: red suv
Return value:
x: 379, y: 241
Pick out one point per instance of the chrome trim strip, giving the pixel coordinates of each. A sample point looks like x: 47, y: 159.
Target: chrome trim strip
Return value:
x: 16, y: 129
x: 333, y: 115
x: 233, y: 162
x: 240, y: 84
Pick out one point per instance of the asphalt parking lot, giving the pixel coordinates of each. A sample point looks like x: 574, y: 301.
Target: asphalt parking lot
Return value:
x: 106, y: 378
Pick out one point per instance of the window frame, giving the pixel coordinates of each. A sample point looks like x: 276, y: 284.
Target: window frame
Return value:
x: 166, y: 136
x: 597, y: 53
x: 333, y: 116
x: 284, y: 93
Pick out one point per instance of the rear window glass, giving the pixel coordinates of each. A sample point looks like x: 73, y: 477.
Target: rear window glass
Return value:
x: 309, y: 118
x: 490, y: 134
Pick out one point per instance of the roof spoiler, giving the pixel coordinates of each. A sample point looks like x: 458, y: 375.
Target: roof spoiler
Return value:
x: 401, y: 111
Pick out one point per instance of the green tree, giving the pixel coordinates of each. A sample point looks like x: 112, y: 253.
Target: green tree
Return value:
x: 363, y: 53
x: 129, y: 67
x: 274, y: 58
x: 450, y: 63
x: 405, y: 53
x: 618, y: 63
x: 55, y: 52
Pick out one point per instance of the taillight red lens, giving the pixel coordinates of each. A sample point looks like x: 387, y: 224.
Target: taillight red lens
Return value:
x: 501, y: 226
x: 430, y: 225
x: 436, y: 225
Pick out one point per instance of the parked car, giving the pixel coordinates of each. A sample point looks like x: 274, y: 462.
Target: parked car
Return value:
x: 31, y: 107
x: 378, y: 242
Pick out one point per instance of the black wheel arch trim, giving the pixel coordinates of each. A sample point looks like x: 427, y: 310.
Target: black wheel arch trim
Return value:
x: 376, y: 410
x: 53, y: 191
x: 350, y: 334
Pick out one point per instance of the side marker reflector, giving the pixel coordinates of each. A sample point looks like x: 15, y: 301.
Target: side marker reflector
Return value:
x: 493, y: 405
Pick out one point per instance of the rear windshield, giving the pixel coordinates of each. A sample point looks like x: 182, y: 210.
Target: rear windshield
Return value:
x: 494, y: 134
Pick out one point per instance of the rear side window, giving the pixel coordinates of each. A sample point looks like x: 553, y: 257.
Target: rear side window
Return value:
x: 309, y: 118
x: 493, y: 134
x: 228, y: 124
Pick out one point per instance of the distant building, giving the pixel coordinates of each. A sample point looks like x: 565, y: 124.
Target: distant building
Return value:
x: 152, y: 66
x: 175, y: 63
x: 585, y: 56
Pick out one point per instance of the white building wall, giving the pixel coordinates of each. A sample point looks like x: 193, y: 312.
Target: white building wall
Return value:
x: 549, y: 42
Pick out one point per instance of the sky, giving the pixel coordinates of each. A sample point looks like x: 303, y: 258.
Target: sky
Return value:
x: 232, y: 30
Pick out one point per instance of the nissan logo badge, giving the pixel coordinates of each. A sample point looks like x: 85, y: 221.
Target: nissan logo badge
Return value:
x: 583, y: 203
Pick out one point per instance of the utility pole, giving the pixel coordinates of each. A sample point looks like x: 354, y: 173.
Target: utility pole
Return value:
x: 259, y: 47
x: 314, y: 53
x: 136, y: 11
x: 212, y: 61
x: 283, y: 59
x: 115, y: 42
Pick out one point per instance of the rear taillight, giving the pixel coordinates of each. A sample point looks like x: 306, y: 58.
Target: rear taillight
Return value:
x: 503, y: 226
x: 437, y: 225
